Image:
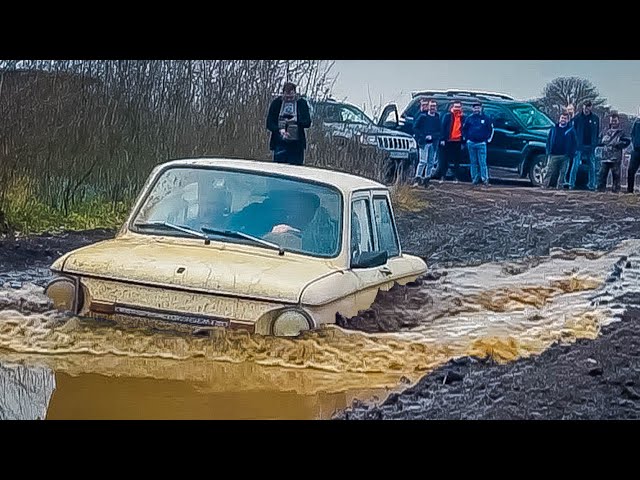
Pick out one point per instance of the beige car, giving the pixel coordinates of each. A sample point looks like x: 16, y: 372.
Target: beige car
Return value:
x: 273, y: 249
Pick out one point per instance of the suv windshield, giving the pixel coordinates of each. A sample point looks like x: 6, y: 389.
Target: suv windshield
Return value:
x: 296, y: 215
x: 530, y: 116
x: 341, y: 113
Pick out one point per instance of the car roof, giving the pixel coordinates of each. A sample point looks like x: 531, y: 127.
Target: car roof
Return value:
x: 343, y: 181
x: 470, y: 94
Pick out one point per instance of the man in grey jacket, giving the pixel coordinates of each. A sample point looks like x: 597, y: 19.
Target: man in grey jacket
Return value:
x: 610, y: 153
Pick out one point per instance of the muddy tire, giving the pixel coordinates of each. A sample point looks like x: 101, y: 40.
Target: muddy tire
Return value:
x: 537, y: 170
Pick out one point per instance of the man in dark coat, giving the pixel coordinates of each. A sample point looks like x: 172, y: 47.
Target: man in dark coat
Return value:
x: 287, y: 120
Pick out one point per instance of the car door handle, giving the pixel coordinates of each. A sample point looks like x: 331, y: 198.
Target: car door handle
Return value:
x: 386, y: 271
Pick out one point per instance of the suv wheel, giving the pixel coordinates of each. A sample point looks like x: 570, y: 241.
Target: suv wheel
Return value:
x: 537, y: 170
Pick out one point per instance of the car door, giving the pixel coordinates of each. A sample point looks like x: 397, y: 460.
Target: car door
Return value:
x: 373, y: 229
x: 505, y: 148
x: 362, y: 239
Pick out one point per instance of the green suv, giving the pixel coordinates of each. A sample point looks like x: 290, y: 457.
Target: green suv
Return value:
x: 520, y: 129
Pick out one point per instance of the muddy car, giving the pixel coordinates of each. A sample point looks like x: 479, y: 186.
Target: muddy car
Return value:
x: 273, y: 249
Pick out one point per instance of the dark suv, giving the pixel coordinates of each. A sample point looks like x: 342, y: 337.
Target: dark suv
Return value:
x: 520, y: 129
x: 344, y: 121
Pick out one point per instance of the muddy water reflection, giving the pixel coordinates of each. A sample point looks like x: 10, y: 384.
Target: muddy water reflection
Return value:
x: 135, y: 371
x: 25, y: 391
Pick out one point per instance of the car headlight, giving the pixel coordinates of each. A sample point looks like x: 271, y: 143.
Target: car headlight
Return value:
x: 412, y: 143
x: 290, y: 323
x: 63, y: 292
x: 369, y: 139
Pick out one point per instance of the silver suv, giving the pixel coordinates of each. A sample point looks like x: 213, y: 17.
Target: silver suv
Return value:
x: 345, y: 121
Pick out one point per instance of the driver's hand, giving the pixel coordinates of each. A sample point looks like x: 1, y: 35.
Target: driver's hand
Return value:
x: 282, y: 228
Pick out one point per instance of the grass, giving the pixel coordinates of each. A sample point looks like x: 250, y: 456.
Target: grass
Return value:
x: 26, y: 214
x: 407, y: 198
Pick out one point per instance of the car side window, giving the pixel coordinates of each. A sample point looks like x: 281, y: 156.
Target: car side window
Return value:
x: 499, y: 117
x: 387, y: 239
x: 361, y: 230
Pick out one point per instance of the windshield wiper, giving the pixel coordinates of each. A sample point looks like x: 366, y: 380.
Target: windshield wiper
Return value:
x: 233, y: 233
x: 178, y: 228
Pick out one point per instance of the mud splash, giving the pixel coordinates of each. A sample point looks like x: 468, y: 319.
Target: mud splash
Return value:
x: 483, y: 311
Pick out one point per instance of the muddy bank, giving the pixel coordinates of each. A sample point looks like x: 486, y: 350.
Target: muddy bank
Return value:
x: 462, y: 225
x: 589, y: 379
x: 27, y: 259
x: 592, y: 379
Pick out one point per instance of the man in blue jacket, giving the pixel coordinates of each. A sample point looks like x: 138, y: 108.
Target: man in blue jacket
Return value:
x: 478, y: 131
x: 587, y: 127
x: 426, y: 130
x: 561, y: 148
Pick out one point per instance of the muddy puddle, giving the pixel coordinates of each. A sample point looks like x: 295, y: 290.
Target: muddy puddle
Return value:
x: 56, y: 367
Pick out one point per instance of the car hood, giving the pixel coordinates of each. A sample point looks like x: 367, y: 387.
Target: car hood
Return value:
x: 233, y: 270
x: 355, y: 128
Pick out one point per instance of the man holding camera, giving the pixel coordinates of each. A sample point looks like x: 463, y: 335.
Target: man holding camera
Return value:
x: 287, y: 120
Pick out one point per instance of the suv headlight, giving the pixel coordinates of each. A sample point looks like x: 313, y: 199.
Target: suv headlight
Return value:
x: 412, y: 143
x: 290, y: 323
x: 368, y: 139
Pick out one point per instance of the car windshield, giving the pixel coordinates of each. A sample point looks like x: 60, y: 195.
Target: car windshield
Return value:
x: 340, y: 113
x: 296, y: 215
x: 531, y: 117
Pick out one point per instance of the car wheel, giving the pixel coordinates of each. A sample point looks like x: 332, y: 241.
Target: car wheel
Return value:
x: 537, y: 170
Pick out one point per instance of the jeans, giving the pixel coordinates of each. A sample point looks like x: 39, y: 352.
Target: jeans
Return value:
x: 586, y: 155
x: 634, y: 163
x: 603, y: 175
x: 478, y: 161
x: 556, y: 171
x: 427, y: 156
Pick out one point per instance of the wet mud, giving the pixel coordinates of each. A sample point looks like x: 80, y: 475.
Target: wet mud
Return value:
x: 516, y: 275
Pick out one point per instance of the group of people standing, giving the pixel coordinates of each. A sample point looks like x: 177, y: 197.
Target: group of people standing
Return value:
x: 451, y: 135
x: 576, y: 140
x: 573, y: 141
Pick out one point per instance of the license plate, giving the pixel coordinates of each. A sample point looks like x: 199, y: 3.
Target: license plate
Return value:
x: 399, y: 154
x: 173, y: 317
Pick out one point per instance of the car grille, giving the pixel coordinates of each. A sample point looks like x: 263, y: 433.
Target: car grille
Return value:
x: 394, y: 143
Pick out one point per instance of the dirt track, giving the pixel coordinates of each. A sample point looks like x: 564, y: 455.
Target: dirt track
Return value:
x: 462, y: 226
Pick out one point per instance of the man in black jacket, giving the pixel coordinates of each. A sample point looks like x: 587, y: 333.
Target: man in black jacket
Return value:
x: 587, y: 127
x: 634, y: 163
x: 287, y: 120
x: 451, y: 141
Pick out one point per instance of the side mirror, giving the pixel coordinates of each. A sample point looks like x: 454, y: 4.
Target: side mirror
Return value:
x: 370, y: 259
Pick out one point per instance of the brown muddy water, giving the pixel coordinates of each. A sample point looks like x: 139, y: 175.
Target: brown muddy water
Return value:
x: 56, y: 367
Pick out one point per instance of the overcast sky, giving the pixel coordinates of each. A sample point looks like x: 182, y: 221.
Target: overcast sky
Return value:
x: 393, y: 80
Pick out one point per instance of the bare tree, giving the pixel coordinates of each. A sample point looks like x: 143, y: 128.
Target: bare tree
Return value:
x: 562, y: 91
x: 76, y: 131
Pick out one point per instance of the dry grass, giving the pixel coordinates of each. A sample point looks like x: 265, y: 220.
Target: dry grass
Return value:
x: 408, y: 198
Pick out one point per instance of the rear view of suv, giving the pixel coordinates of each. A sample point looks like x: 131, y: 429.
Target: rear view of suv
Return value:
x: 520, y: 129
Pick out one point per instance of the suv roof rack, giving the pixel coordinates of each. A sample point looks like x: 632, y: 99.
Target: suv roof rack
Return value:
x: 470, y: 93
